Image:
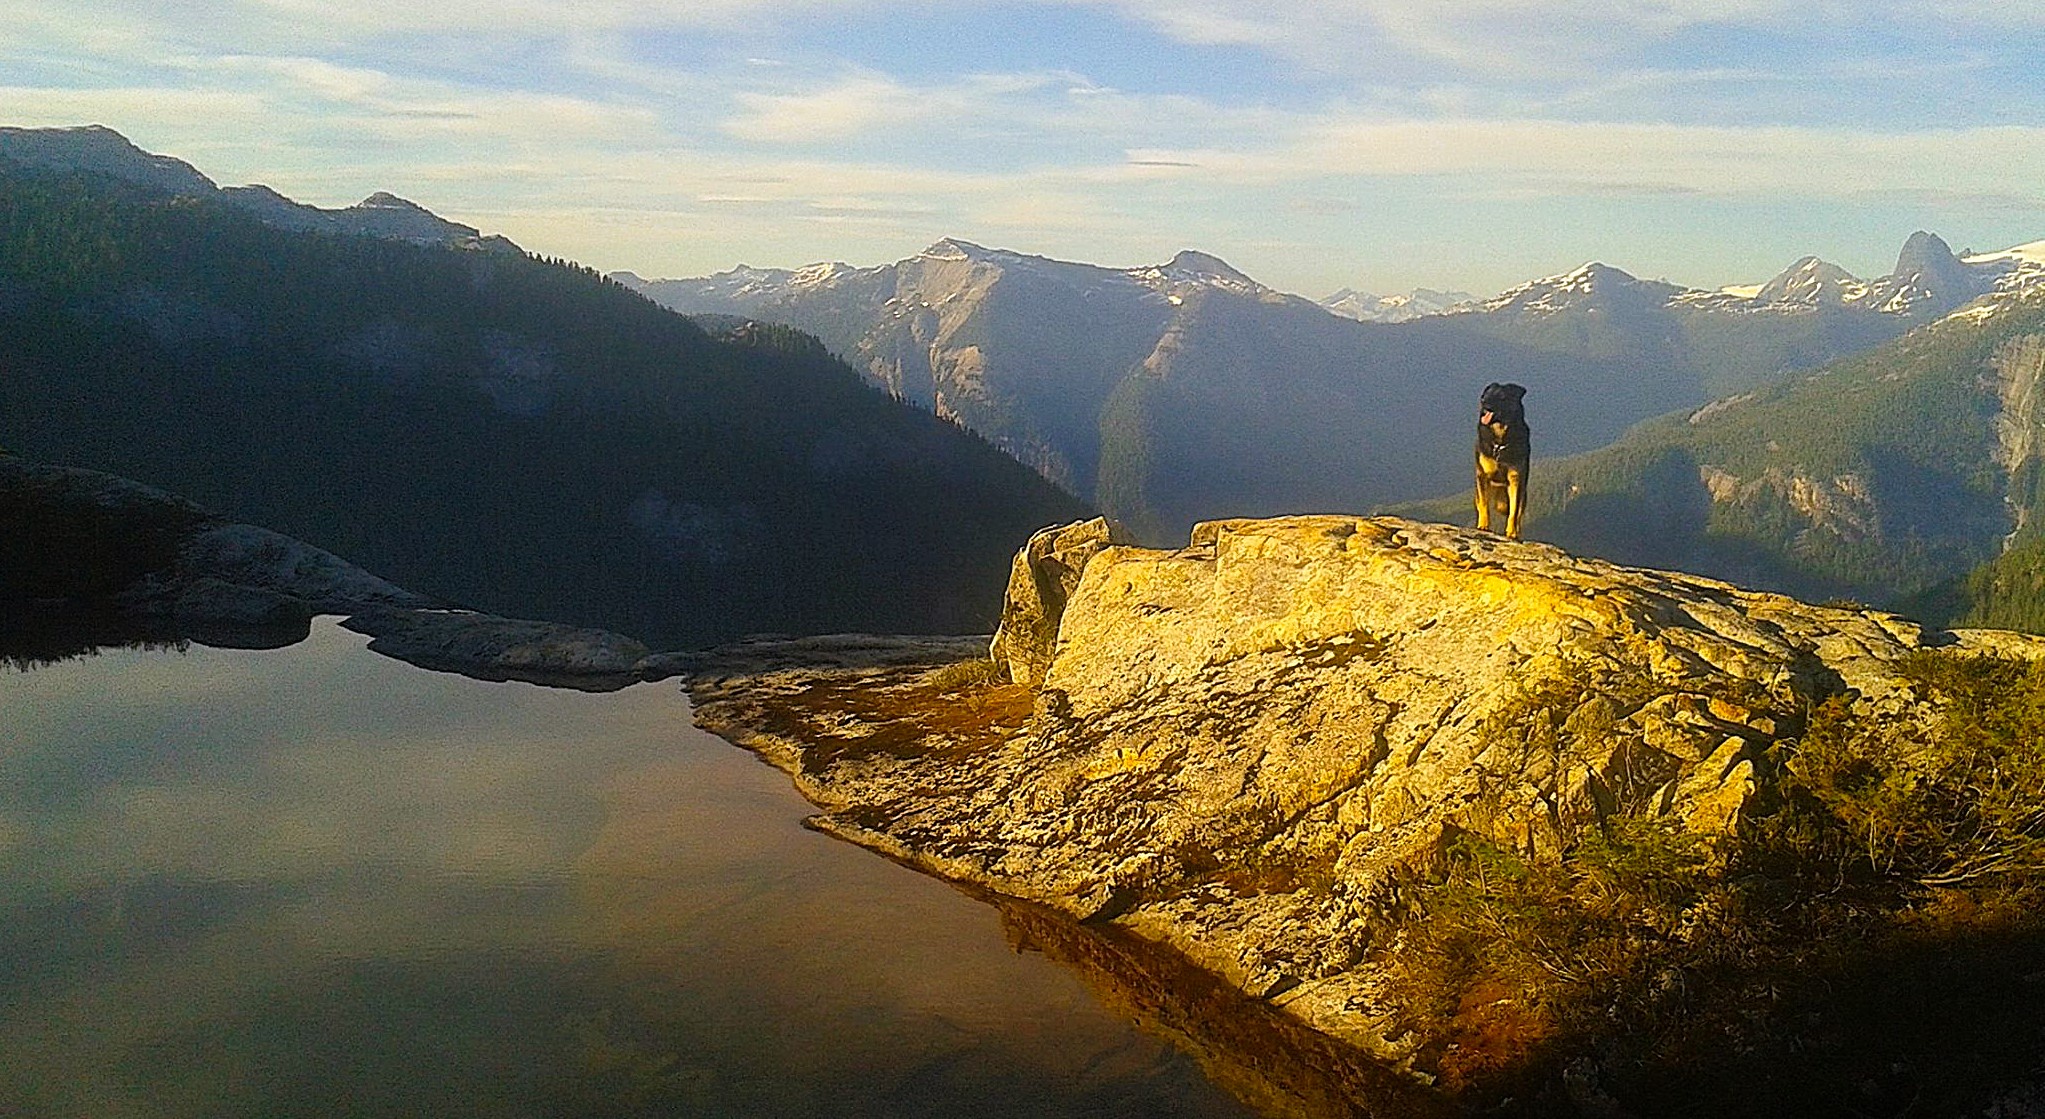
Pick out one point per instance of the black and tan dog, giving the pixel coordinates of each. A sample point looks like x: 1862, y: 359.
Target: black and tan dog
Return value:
x: 1505, y: 450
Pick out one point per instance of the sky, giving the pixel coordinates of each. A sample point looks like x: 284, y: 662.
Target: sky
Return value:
x: 1315, y: 144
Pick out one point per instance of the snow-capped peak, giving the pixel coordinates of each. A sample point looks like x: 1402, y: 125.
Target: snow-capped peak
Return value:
x: 1193, y: 269
x: 1585, y: 282
x: 2032, y: 253
x: 819, y: 273
x: 1365, y: 307
x: 1813, y: 282
x: 1929, y: 279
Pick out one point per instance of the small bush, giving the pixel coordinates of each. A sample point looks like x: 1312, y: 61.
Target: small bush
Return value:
x: 1880, y: 834
x: 1962, y: 805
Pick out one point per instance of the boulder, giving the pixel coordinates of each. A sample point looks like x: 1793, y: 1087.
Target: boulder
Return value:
x: 1042, y: 578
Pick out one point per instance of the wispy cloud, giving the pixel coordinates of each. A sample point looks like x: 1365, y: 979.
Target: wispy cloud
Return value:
x: 1723, y: 161
x: 670, y: 135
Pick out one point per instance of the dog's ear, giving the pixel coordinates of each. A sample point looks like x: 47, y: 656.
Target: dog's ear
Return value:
x: 1517, y: 392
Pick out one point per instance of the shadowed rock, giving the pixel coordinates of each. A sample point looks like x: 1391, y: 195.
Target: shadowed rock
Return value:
x: 488, y: 647
x: 86, y: 556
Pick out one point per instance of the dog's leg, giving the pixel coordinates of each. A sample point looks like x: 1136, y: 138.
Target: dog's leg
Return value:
x: 1515, y: 502
x: 1483, y: 503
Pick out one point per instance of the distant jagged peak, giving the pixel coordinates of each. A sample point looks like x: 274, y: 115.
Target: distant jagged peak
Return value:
x: 1419, y: 303
x: 1590, y: 281
x: 1350, y: 295
x: 1925, y: 254
x: 385, y: 200
x: 1813, y: 282
x: 1929, y: 279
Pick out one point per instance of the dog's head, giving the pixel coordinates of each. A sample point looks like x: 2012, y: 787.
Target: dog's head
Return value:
x: 1500, y: 404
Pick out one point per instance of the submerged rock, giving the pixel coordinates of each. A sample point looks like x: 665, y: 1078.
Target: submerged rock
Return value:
x: 1243, y: 748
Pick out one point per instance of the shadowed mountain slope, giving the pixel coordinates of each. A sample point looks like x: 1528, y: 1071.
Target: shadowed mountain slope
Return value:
x: 1879, y: 477
x: 509, y: 434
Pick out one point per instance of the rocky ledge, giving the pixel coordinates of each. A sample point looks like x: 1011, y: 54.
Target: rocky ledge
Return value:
x: 103, y: 559
x: 1255, y: 750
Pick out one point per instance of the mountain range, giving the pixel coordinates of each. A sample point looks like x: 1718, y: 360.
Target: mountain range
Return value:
x: 495, y: 431
x: 1817, y: 433
x: 1187, y: 390
x: 98, y: 150
x: 1365, y: 307
x: 1888, y: 476
x: 1164, y: 394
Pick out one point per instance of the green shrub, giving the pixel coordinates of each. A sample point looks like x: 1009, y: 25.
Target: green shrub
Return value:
x: 1882, y: 841
x: 1963, y: 804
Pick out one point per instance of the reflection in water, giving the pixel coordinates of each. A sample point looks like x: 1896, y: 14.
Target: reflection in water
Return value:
x: 319, y: 882
x: 35, y: 635
x: 1261, y: 1055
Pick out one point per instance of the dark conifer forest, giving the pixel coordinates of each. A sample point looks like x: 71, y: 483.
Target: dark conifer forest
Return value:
x: 507, y: 433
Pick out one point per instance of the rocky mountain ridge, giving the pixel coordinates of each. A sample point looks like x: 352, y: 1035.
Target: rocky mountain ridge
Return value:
x: 1171, y: 393
x: 1365, y: 307
x: 552, y: 445
x: 98, y: 150
x: 1929, y: 280
x: 1158, y: 393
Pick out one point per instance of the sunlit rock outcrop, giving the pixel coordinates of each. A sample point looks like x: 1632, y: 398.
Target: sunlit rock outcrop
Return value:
x: 1244, y: 747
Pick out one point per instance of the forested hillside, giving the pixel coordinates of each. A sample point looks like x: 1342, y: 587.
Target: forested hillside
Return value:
x: 517, y: 435
x: 1882, y: 477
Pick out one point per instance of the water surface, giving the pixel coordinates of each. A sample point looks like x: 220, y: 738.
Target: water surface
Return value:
x: 318, y: 882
